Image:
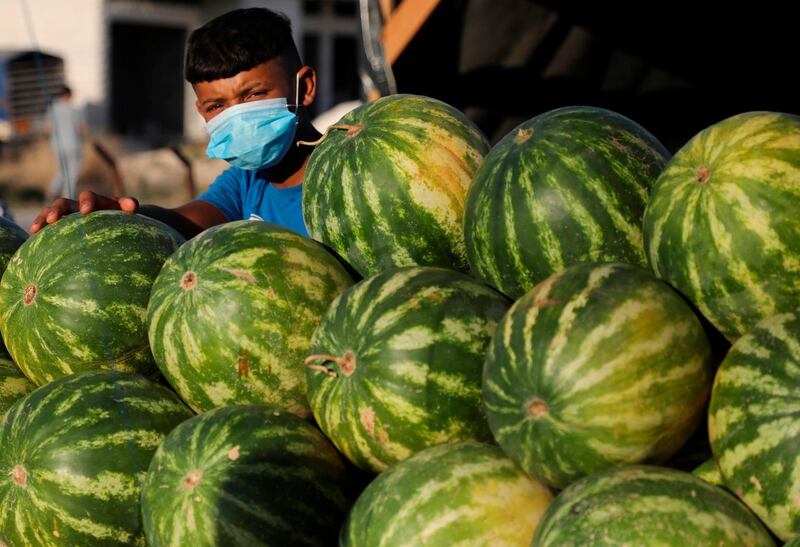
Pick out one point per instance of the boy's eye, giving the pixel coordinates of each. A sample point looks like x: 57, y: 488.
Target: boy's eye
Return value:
x: 213, y: 107
x: 256, y: 94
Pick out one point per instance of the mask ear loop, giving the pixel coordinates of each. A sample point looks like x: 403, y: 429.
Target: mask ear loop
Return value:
x: 296, y: 92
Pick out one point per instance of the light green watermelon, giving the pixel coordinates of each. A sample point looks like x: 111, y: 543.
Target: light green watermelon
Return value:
x: 74, y: 455
x: 232, y: 313
x: 454, y: 494
x: 754, y: 422
x: 387, y: 185
x: 597, y: 366
x: 723, y: 225
x: 395, y: 365
x: 245, y: 475
x: 646, y: 505
x: 13, y: 384
x: 709, y: 472
x: 74, y: 297
x: 565, y: 187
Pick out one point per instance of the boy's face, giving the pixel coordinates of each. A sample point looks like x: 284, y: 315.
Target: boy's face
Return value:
x: 269, y: 80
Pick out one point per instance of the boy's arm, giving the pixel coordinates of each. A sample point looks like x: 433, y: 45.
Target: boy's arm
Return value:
x: 189, y: 219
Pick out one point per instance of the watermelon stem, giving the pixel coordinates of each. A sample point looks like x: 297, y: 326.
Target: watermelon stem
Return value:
x: 321, y: 368
x: 20, y: 476
x: 347, y: 363
x: 29, y: 294
x: 537, y: 409
x: 703, y: 174
x: 352, y: 131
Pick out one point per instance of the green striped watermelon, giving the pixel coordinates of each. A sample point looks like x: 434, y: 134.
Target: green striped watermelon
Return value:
x: 232, y: 313
x: 723, y: 225
x: 461, y: 494
x: 74, y: 297
x: 754, y: 422
x: 645, y: 505
x: 386, y: 187
x: 13, y: 384
x: 74, y: 454
x: 565, y: 187
x: 599, y: 365
x: 401, y: 356
x: 11, y: 237
x: 709, y: 472
x: 245, y: 475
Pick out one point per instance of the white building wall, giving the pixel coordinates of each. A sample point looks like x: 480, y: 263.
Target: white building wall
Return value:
x: 71, y: 29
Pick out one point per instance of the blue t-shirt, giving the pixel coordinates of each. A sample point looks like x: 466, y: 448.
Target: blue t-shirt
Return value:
x: 247, y: 195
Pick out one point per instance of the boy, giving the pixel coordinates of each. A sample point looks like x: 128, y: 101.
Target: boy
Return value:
x: 252, y: 91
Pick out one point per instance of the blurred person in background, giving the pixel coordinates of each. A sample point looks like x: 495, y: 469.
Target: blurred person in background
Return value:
x: 66, y: 128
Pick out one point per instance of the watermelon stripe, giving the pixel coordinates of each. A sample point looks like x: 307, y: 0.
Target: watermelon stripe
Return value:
x: 418, y: 336
x: 409, y: 164
x: 260, y: 476
x: 461, y: 494
x: 257, y: 278
x: 746, y: 207
x: 645, y: 505
x: 82, y: 470
x: 78, y: 318
x: 614, y: 362
x: 567, y: 186
x: 753, y: 422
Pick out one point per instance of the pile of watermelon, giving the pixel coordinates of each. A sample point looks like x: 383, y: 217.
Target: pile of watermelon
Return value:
x: 570, y: 338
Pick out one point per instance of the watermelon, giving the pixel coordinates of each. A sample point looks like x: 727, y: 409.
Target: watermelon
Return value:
x: 647, y: 505
x: 709, y: 472
x: 13, y: 384
x: 597, y: 366
x: 75, y: 453
x: 74, y: 297
x: 396, y: 364
x: 232, y: 313
x: 387, y: 185
x: 754, y: 422
x: 457, y: 494
x: 245, y: 475
x: 11, y: 237
x: 565, y: 187
x: 722, y: 225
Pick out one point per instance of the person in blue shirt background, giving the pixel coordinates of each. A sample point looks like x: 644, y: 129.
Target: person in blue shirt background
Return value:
x: 252, y: 90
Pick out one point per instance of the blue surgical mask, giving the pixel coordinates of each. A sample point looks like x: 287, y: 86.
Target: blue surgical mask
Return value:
x: 252, y: 135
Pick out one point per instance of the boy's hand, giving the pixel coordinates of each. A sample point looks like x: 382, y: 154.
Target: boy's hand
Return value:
x: 87, y: 202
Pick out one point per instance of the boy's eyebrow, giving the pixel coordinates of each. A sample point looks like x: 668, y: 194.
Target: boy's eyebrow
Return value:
x: 247, y: 89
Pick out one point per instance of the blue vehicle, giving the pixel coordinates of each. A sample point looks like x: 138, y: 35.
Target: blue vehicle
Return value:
x: 28, y: 80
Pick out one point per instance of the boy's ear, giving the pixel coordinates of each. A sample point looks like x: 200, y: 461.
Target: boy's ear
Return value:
x: 307, y: 78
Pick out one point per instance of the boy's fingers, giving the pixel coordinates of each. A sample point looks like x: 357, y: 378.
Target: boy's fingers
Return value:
x: 40, y: 220
x: 48, y: 215
x: 60, y: 208
x: 92, y: 202
x: 129, y: 205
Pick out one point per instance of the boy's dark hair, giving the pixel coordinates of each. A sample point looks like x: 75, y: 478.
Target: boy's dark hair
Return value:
x: 236, y: 41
